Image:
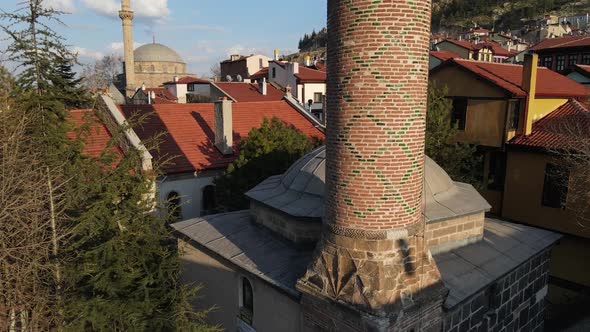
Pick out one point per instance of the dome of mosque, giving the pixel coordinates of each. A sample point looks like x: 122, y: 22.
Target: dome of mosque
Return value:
x: 156, y: 53
x: 300, y: 191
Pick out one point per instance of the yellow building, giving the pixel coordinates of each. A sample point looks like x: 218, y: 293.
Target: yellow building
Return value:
x: 493, y: 102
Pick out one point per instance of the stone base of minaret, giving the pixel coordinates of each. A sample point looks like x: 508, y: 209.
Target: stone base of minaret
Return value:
x: 372, y: 281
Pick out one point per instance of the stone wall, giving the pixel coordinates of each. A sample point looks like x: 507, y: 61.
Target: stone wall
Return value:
x: 449, y: 234
x: 513, y: 303
x: 154, y: 74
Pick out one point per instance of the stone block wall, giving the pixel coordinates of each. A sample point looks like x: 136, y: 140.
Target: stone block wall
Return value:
x: 515, y: 302
x: 450, y: 234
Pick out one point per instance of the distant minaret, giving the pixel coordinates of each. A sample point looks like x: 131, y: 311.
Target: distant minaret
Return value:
x: 126, y: 15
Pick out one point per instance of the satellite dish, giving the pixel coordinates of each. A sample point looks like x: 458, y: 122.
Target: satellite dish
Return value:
x: 228, y: 78
x: 239, y: 78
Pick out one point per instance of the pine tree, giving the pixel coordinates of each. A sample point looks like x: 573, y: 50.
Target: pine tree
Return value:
x: 458, y: 159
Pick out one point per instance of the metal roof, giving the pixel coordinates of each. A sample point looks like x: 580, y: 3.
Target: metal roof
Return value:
x: 156, y: 53
x: 299, y: 192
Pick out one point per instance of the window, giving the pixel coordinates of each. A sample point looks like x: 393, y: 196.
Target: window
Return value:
x: 190, y: 87
x: 586, y: 59
x: 572, y: 59
x: 317, y: 97
x: 174, y: 209
x: 459, y: 114
x: 208, y: 199
x: 560, y: 63
x: 274, y: 72
x: 513, y: 114
x: 555, y: 186
x: 548, y: 62
x: 246, y: 301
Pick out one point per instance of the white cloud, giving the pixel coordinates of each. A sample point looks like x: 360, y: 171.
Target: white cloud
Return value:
x: 151, y: 9
x: 61, y: 5
x: 88, y: 53
x: 117, y: 47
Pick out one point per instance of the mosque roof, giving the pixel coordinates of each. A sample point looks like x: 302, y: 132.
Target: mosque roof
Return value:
x: 300, y: 191
x: 156, y: 53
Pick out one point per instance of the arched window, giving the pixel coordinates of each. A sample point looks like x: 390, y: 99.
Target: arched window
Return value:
x: 174, y: 209
x: 153, y: 68
x: 140, y: 68
x: 247, y: 301
x: 208, y: 199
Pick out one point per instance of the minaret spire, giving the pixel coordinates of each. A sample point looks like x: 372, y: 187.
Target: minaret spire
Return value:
x: 372, y: 270
x: 126, y: 15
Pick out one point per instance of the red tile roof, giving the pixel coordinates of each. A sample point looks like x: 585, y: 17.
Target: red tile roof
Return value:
x: 563, y: 42
x: 188, y: 80
x: 260, y: 74
x: 97, y: 138
x: 462, y: 43
x: 444, y: 55
x: 307, y: 75
x: 509, y: 78
x: 245, y: 92
x: 496, y: 48
x: 163, y: 96
x: 190, y: 130
x: 561, y: 129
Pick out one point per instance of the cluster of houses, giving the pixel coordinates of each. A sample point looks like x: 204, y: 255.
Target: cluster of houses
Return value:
x: 512, y: 112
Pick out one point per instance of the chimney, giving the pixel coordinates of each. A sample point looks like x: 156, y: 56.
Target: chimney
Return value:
x: 143, y: 86
x: 276, y: 55
x: 529, y: 84
x: 234, y: 57
x: 371, y: 270
x: 262, y: 86
x: 223, y: 126
x: 175, y: 79
x: 295, y: 67
x: 307, y: 61
x: 288, y: 91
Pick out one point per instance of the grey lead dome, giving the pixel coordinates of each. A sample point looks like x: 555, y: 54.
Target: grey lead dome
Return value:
x: 156, y: 53
x: 300, y: 191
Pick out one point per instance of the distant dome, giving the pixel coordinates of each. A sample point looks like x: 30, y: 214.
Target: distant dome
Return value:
x: 300, y: 191
x: 156, y: 53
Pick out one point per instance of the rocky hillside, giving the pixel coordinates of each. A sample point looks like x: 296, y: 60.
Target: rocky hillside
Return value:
x: 502, y: 15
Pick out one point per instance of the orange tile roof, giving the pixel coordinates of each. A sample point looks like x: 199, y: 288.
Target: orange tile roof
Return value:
x: 190, y: 130
x: 163, y: 96
x: 563, y: 42
x: 496, y: 48
x: 559, y: 130
x: 307, y: 75
x: 444, y: 55
x: 462, y: 43
x: 260, y: 74
x: 245, y: 92
x: 509, y: 78
x: 97, y: 138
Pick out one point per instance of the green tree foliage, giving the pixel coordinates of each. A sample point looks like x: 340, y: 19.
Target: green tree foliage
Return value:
x: 458, y: 159
x: 99, y: 258
x: 314, y: 41
x: 266, y: 151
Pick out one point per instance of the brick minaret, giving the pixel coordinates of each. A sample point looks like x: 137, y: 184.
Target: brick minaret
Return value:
x: 126, y: 15
x: 371, y: 270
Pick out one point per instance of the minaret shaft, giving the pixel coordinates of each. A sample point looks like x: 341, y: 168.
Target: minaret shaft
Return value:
x: 126, y: 15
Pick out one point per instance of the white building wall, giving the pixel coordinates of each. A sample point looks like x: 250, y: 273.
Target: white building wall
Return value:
x: 181, y: 90
x: 283, y: 77
x: 190, y: 190
x: 309, y: 89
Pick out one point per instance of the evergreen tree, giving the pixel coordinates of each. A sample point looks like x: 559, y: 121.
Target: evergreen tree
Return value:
x: 458, y: 159
x: 102, y: 259
x: 266, y: 151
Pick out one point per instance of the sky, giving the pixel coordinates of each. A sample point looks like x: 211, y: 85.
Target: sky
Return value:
x: 203, y: 32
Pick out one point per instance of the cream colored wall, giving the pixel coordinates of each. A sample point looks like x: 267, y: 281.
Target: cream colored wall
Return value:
x: 253, y: 63
x: 273, y: 310
x: 523, y: 191
x: 310, y: 88
x: 446, y: 46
